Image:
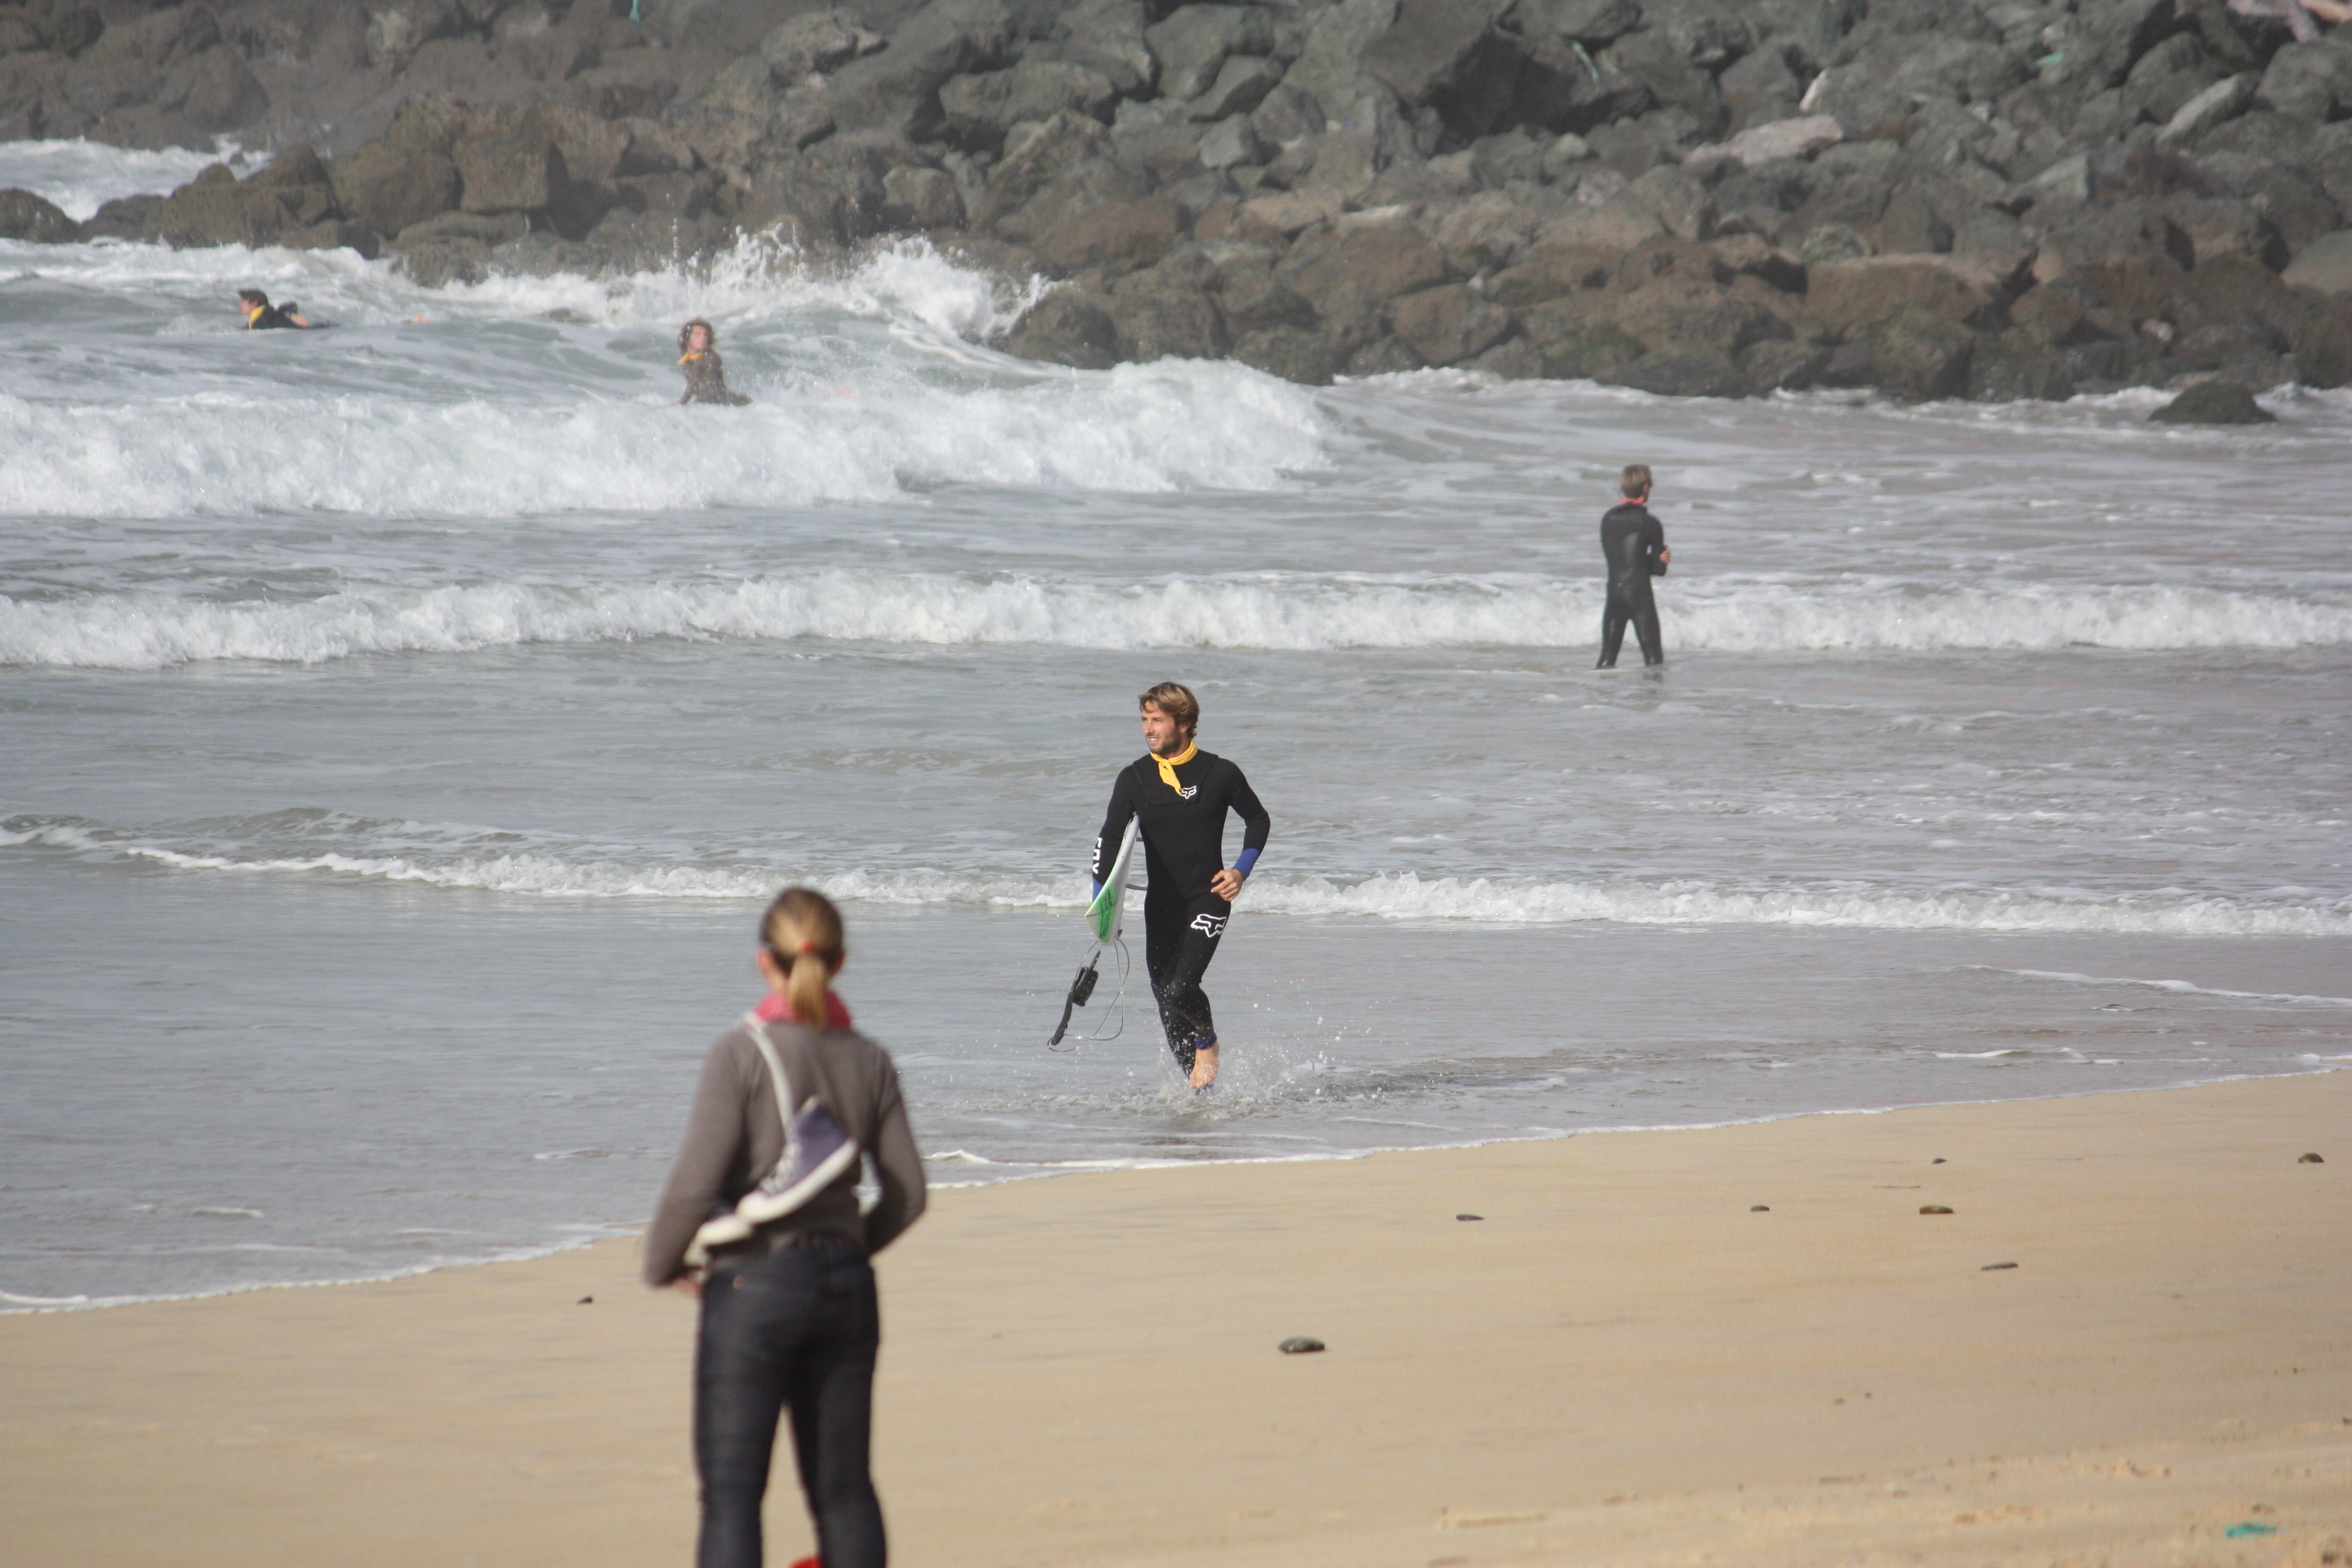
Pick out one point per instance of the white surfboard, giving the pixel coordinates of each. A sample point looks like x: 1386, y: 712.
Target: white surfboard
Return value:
x: 1108, y: 914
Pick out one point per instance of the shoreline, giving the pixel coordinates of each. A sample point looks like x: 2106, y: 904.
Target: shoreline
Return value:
x: 14, y: 1306
x: 1624, y: 1362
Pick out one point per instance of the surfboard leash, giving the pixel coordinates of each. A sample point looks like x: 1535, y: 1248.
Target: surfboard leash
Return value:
x: 1082, y: 988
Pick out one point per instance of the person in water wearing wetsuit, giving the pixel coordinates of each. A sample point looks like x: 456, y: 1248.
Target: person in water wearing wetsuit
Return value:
x: 706, y: 375
x: 1635, y: 546
x: 1178, y: 794
x: 261, y: 316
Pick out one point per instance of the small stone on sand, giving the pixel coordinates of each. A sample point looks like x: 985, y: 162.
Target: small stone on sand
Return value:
x: 1933, y: 1208
x: 1759, y: 1209
x: 2310, y: 1160
x: 1990, y: 1266
x: 1469, y: 1216
x: 1300, y: 1344
x: 585, y: 1301
x: 1936, y: 1160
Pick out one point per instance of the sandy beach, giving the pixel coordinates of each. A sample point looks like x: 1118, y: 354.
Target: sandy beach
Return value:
x: 1625, y: 1360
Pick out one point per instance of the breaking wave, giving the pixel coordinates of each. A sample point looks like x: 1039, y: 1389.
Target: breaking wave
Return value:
x: 1290, y: 613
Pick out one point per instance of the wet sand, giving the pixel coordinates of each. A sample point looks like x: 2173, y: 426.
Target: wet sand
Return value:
x: 1624, y: 1362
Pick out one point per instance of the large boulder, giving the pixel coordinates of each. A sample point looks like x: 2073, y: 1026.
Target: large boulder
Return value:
x: 1577, y: 338
x: 510, y: 173
x: 2323, y: 348
x: 2311, y: 81
x: 1121, y: 236
x: 1851, y: 297
x: 1066, y: 327
x: 1193, y: 43
x: 2214, y: 402
x: 1447, y: 55
x: 1921, y: 354
x: 2326, y: 265
x: 1108, y: 35
x: 982, y: 107
x: 1351, y: 273
x: 897, y: 87
x: 1159, y: 316
x: 404, y: 176
x: 26, y: 216
x: 1449, y: 324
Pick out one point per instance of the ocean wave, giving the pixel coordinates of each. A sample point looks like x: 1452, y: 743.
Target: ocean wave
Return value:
x: 1265, y: 611
x: 548, y: 873
x: 82, y: 176
x: 2177, y: 987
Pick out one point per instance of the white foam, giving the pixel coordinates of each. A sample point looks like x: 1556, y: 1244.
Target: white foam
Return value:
x: 1293, y: 611
x: 1404, y: 896
x: 82, y: 176
x: 2177, y: 987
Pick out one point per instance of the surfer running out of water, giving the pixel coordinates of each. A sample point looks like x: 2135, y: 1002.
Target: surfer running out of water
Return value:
x: 706, y: 374
x: 760, y: 1219
x: 260, y: 315
x: 1635, y: 545
x: 1178, y: 794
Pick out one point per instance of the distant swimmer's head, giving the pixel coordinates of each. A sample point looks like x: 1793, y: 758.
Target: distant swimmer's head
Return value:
x: 252, y: 301
x: 697, y: 337
x: 1171, y: 714
x: 1634, y: 482
x: 801, y: 947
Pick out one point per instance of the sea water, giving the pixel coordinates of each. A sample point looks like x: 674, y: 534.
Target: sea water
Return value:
x: 401, y: 727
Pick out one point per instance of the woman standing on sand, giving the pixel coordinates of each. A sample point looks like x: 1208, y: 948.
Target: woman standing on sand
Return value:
x: 706, y: 374
x: 760, y: 1219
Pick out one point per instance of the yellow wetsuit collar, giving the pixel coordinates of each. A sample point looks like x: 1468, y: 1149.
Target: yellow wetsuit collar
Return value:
x: 254, y: 313
x: 688, y: 359
x: 1168, y: 765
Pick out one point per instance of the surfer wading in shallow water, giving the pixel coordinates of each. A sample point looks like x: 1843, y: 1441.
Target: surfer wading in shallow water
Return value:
x: 1635, y: 545
x: 1178, y: 794
x: 706, y: 374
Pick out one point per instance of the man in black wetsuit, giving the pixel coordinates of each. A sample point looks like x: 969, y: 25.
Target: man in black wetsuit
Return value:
x: 261, y: 316
x: 1180, y: 794
x: 1636, y: 548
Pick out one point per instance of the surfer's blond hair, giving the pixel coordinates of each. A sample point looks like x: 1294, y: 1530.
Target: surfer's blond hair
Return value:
x: 1634, y: 481
x: 1176, y: 701
x: 802, y: 932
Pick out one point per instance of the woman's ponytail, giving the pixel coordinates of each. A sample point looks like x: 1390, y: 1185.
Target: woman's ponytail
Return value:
x: 802, y: 930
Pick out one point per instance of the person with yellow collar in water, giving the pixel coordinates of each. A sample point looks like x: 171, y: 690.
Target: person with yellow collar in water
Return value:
x: 260, y: 315
x: 1178, y: 794
x: 706, y: 375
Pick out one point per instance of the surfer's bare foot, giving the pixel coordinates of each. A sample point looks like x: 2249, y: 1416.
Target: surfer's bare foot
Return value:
x: 1204, y: 1066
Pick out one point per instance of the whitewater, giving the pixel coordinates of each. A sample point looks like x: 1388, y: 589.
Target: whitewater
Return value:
x: 405, y: 723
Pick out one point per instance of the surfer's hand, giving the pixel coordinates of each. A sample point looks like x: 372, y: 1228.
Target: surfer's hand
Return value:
x: 1226, y: 884
x: 688, y: 1285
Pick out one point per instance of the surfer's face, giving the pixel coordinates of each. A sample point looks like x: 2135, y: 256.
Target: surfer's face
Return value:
x: 699, y: 342
x: 1161, y: 733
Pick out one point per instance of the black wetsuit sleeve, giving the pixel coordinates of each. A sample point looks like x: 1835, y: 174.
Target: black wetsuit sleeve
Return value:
x: 1113, y: 827
x: 1654, y: 544
x: 1256, y: 822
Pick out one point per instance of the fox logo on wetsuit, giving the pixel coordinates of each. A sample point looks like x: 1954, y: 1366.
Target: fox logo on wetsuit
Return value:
x: 1180, y: 801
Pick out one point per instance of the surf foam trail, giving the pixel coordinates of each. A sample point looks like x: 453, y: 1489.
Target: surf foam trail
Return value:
x: 1267, y: 611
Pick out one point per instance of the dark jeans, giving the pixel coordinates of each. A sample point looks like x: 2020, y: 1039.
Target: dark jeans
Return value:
x: 796, y: 1329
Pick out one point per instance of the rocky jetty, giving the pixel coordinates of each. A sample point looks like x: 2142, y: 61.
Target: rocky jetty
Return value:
x: 1937, y: 198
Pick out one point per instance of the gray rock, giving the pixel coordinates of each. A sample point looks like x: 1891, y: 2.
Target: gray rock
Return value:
x: 1243, y: 83
x: 1656, y: 60
x: 917, y: 197
x: 1056, y: 148
x: 1068, y: 328
x: 980, y: 108
x: 1783, y: 365
x: 1449, y: 324
x: 1289, y: 114
x: 1350, y: 274
x: 1688, y: 370
x: 1300, y: 1344
x: 441, y: 262
x: 1193, y: 43
x: 1575, y: 342
x: 1764, y: 143
x: 821, y: 41
x: 1436, y: 48
x: 2311, y: 81
x: 486, y: 230
x: 124, y: 217
x: 896, y: 88
x: 2309, y: 1159
x: 1116, y: 236
x: 1109, y: 37
x: 2215, y: 402
x: 1592, y: 22
x: 1294, y: 353
x: 1160, y: 316
x: 2323, y: 347
x: 1852, y: 297
x: 1331, y: 64
x: 2018, y: 367
x: 26, y: 216
x: 509, y: 173
x: 1230, y: 143
x: 2325, y: 264
x: 1680, y: 203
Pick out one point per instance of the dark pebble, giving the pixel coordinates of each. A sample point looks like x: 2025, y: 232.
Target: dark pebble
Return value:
x: 2310, y: 1160
x: 1937, y: 1161
x: 1759, y: 1209
x: 1299, y: 1345
x: 585, y: 1301
x: 1469, y: 1216
x: 1990, y: 1266
x: 1933, y: 1208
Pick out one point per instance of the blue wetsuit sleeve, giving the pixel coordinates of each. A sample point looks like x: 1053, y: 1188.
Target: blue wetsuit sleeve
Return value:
x: 1255, y: 823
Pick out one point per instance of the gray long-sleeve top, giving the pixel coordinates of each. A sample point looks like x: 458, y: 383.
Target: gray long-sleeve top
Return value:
x: 733, y: 1138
